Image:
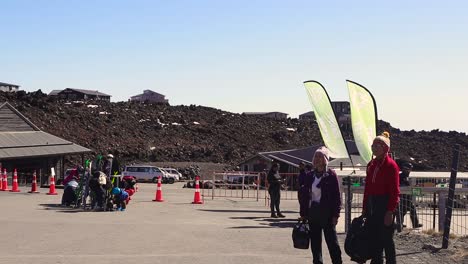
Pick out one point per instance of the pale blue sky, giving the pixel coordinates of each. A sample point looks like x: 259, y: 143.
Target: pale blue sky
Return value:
x: 247, y: 55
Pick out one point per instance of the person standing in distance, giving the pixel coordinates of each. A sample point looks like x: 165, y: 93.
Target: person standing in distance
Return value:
x: 274, y: 189
x: 406, y: 200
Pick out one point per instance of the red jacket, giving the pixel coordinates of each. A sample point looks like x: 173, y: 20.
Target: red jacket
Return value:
x: 382, y: 178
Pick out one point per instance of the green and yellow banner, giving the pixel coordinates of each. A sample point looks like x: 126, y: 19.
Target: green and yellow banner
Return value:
x: 363, y: 118
x: 326, y: 119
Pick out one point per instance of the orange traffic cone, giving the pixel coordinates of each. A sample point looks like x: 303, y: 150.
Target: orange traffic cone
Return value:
x: 197, y: 198
x: 15, y: 182
x: 52, y: 183
x: 159, y: 197
x: 5, y: 181
x: 34, y: 184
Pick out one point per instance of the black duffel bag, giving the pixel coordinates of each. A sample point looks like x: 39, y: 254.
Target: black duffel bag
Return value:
x: 358, y: 244
x: 300, y: 235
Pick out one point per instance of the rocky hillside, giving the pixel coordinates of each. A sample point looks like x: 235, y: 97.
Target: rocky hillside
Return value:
x: 145, y: 132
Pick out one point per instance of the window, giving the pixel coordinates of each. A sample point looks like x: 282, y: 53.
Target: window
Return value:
x: 132, y: 169
x: 143, y: 169
x: 156, y: 170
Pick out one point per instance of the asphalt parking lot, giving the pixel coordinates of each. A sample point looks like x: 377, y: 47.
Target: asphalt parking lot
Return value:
x: 34, y: 229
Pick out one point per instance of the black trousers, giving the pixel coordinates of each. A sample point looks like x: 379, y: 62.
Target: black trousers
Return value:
x: 100, y: 196
x: 320, y: 221
x: 406, y: 204
x: 385, y: 243
x: 275, y: 197
x: 382, y: 239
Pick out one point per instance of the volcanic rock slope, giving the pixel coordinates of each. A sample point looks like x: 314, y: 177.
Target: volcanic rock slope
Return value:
x: 150, y: 132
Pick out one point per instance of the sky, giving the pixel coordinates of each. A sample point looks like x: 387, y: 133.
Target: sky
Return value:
x: 248, y: 56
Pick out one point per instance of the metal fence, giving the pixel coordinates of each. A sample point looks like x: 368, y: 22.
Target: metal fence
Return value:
x: 427, y: 196
x: 232, y: 184
x: 425, y: 199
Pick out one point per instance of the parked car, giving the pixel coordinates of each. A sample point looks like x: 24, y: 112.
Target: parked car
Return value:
x: 148, y: 173
x: 173, y: 172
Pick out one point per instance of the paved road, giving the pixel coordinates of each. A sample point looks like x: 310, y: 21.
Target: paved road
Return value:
x: 33, y: 229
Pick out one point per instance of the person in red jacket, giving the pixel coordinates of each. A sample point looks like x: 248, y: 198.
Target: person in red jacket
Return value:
x: 381, y: 195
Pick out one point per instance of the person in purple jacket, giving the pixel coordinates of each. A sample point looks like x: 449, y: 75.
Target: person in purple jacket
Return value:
x: 320, y: 203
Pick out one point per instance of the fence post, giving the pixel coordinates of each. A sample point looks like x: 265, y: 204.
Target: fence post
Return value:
x: 451, y: 194
x: 258, y: 184
x: 441, y: 206
x: 434, y: 202
x: 347, y: 210
x: 214, y: 186
x: 242, y: 192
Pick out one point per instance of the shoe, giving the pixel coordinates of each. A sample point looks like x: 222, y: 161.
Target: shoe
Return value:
x: 281, y: 215
x: 274, y: 215
x: 122, y: 210
x: 119, y: 209
x: 418, y: 226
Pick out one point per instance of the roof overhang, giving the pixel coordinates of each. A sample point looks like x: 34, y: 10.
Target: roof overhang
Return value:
x: 31, y: 144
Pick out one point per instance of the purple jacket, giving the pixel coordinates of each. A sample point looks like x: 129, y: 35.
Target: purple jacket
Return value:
x: 330, y: 201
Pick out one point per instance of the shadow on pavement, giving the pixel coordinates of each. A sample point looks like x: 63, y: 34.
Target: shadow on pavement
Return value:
x: 266, y: 212
x: 247, y: 217
x: 63, y: 209
x: 409, y: 253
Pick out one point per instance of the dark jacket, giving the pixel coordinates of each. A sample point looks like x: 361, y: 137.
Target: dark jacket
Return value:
x: 404, y: 181
x: 330, y: 201
x: 274, y: 179
x: 301, y: 178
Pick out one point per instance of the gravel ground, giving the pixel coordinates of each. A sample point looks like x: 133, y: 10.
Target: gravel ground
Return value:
x: 426, y: 248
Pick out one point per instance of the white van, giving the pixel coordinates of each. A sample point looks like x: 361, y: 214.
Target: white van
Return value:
x: 147, y: 173
x: 173, y: 172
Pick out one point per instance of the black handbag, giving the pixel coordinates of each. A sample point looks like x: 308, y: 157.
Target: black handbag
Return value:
x: 300, y: 235
x: 358, y: 243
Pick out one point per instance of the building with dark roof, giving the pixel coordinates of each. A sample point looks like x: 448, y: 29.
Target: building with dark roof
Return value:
x: 149, y: 96
x: 307, y: 116
x: 73, y: 94
x: 23, y: 146
x: 8, y: 87
x: 54, y: 92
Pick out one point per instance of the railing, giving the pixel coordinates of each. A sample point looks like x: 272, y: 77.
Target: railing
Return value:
x: 428, y: 194
x: 232, y: 184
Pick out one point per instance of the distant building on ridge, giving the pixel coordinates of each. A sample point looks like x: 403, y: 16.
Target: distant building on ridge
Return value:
x: 307, y: 116
x: 149, y: 96
x: 342, y: 112
x: 8, y: 87
x: 73, y: 94
x: 274, y: 115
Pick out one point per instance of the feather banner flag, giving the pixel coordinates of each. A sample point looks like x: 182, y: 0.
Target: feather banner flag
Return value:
x: 363, y: 118
x: 326, y: 119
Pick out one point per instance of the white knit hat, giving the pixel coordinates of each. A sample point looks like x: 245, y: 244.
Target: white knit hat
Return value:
x: 385, y: 138
x: 324, y: 151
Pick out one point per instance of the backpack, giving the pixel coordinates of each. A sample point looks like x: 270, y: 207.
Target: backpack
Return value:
x: 358, y: 243
x: 300, y: 235
x: 102, y: 179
